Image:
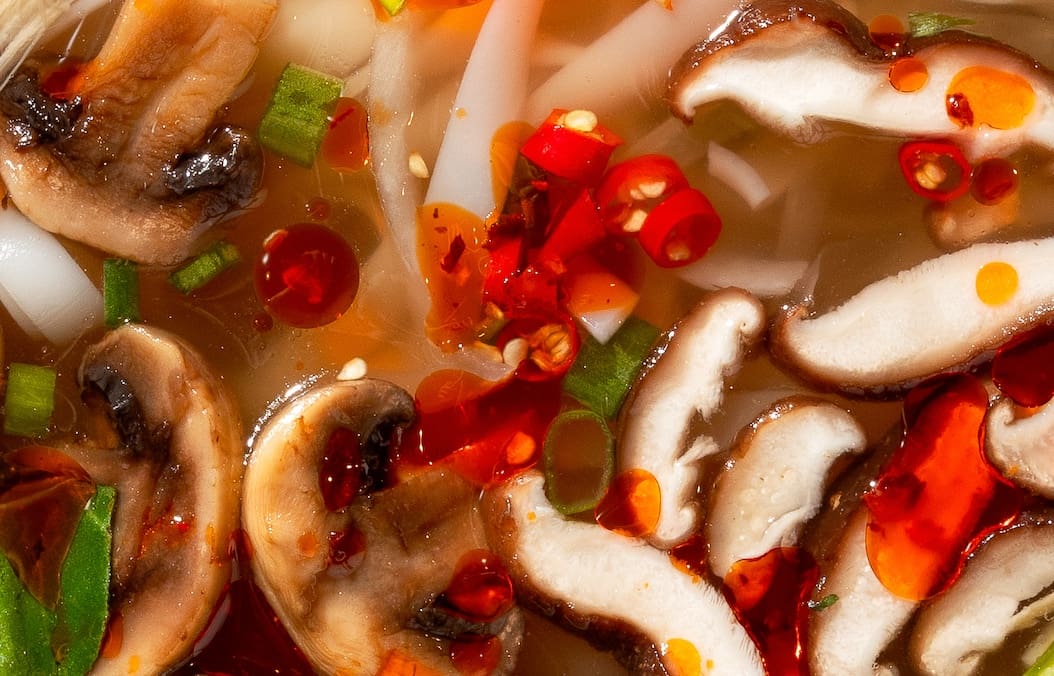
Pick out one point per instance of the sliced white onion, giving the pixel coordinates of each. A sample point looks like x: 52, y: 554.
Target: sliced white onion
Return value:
x: 764, y: 278
x: 22, y: 24
x: 735, y: 172
x: 41, y: 286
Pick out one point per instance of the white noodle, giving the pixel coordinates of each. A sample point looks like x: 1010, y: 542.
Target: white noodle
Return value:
x: 735, y: 172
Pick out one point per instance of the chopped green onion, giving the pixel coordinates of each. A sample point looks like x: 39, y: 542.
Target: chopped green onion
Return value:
x: 1044, y: 666
x: 603, y: 373
x: 297, y: 116
x: 824, y: 603
x: 30, y: 400
x: 393, y: 7
x: 120, y: 291
x: 579, y: 460
x: 925, y: 24
x: 203, y: 269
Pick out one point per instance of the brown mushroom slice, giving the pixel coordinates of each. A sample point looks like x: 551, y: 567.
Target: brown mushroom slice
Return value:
x: 799, y: 66
x: 848, y: 636
x: 1019, y: 445
x: 940, y: 314
x: 775, y: 479
x: 176, y: 461
x: 686, y: 381
x: 132, y: 163
x: 350, y: 619
x: 597, y: 580
x: 1007, y: 586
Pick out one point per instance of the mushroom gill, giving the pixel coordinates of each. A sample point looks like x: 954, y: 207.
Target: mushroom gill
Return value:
x: 115, y: 161
x: 175, y: 458
x: 775, y: 479
x: 617, y: 588
x: 1006, y: 587
x: 799, y: 66
x: 685, y: 381
x: 351, y: 608
x: 943, y: 313
x: 1018, y: 443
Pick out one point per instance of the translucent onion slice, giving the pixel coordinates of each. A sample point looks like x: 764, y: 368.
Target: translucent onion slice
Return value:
x: 22, y: 24
x: 41, y: 286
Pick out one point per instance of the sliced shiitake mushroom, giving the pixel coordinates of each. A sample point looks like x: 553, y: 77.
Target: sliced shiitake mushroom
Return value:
x: 173, y: 449
x: 130, y: 159
x: 1018, y: 443
x: 656, y: 616
x: 350, y: 608
x: 685, y: 381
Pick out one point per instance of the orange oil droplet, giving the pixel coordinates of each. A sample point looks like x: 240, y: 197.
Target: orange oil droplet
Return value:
x: 996, y: 283
x: 682, y: 658
x: 346, y: 145
x: 887, y: 32
x: 631, y: 504
x: 980, y: 95
x: 908, y: 74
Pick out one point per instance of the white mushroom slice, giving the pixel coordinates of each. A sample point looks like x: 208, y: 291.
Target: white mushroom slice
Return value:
x: 922, y: 320
x: 599, y: 580
x: 775, y: 480
x: 1006, y: 587
x: 685, y: 382
x: 798, y: 65
x: 350, y: 619
x: 128, y: 165
x: 1019, y: 445
x: 178, y: 478
x: 848, y: 636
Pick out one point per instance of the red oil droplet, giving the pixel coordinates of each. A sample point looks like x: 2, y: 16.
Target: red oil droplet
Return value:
x: 691, y: 556
x: 993, y: 180
x: 770, y: 596
x: 631, y: 504
x: 481, y: 589
x: 318, y: 209
x: 340, y: 472
x: 307, y: 275
x: 476, y: 655
x: 346, y: 146
x: 937, y: 496
x: 1023, y: 369
x: 477, y: 428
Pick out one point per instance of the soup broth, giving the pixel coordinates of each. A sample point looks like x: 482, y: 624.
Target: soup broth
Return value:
x: 835, y: 216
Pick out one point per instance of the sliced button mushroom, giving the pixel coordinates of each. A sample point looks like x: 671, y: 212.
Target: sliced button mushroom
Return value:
x: 129, y: 160
x: 797, y: 66
x: 176, y: 461
x: 776, y: 477
x: 686, y: 382
x: 349, y: 616
x: 1006, y: 587
x: 848, y: 636
x: 943, y: 313
x: 1019, y: 445
x: 597, y: 580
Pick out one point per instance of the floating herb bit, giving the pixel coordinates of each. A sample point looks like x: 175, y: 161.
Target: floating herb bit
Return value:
x: 579, y: 460
x: 297, y: 116
x: 30, y: 400
x: 925, y: 24
x: 203, y: 269
x: 120, y: 291
x: 824, y: 603
x: 393, y: 7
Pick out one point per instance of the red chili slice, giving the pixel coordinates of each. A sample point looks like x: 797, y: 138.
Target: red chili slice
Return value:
x: 572, y: 146
x: 576, y: 228
x: 680, y: 229
x: 936, y: 170
x: 631, y: 189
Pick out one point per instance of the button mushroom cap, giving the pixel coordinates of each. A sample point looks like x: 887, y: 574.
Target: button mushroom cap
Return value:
x: 848, y: 636
x: 797, y: 66
x: 348, y: 619
x: 774, y: 482
x: 921, y: 321
x: 592, y: 578
x: 685, y: 380
x: 177, y: 469
x: 1006, y: 587
x: 149, y: 97
x: 1019, y: 445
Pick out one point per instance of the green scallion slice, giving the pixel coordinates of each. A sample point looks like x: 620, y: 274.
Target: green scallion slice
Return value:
x: 926, y: 24
x: 203, y: 269
x: 1044, y: 666
x: 579, y: 460
x: 297, y: 116
x: 120, y: 291
x: 603, y: 373
x: 30, y: 400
